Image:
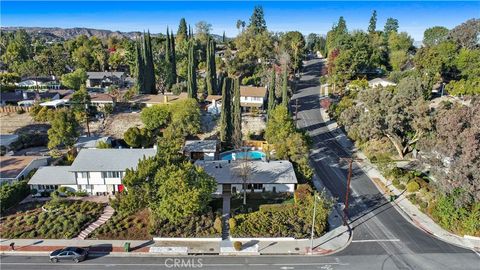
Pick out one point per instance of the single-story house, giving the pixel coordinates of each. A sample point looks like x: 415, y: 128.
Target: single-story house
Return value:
x: 14, y: 168
x: 97, y: 99
x: 252, y: 97
x: 25, y: 98
x: 260, y: 176
x: 50, y: 178
x: 98, y: 171
x: 91, y: 142
x: 105, y: 78
x: 201, y: 149
x: 380, y: 82
x: 39, y: 82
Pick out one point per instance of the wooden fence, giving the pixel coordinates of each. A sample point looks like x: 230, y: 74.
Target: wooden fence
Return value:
x: 7, y: 109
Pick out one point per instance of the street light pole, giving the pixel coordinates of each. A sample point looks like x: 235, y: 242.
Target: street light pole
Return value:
x: 349, y: 178
x: 313, y: 223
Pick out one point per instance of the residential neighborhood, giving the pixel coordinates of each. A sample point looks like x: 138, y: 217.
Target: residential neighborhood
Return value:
x: 175, y: 139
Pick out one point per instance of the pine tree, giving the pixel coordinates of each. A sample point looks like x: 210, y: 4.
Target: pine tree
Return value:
x: 372, y: 27
x: 225, y: 117
x: 182, y: 31
x: 285, y: 88
x: 224, y: 39
x: 271, y: 93
x: 211, y: 67
x: 236, y: 115
x: 192, y: 72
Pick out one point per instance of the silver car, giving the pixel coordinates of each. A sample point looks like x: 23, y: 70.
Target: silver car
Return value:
x: 75, y: 254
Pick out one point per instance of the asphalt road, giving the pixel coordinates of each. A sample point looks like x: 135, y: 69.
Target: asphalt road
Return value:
x: 382, y: 237
x: 378, y: 227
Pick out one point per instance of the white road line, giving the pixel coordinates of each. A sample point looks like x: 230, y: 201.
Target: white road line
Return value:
x: 476, y: 252
x: 376, y: 240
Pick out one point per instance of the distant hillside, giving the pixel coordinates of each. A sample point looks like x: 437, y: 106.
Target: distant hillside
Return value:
x: 56, y: 33
x: 59, y: 34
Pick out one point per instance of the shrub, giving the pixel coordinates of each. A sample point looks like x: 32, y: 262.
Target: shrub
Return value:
x: 11, y: 194
x: 401, y: 186
x: 217, y: 225
x: 413, y: 186
x: 237, y: 245
x: 302, y: 191
x: 232, y: 223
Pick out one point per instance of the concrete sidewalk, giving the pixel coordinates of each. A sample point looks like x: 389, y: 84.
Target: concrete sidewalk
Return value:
x: 405, y: 207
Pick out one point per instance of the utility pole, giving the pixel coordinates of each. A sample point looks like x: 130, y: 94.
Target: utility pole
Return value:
x: 86, y: 116
x: 313, y: 223
x: 349, y: 178
x: 296, y: 109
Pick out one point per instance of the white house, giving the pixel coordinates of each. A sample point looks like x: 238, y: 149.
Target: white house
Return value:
x: 252, y: 97
x: 96, y: 171
x: 14, y: 168
x: 260, y: 176
x: 380, y: 82
x: 50, y: 178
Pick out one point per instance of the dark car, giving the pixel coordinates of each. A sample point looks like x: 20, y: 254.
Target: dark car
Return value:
x: 75, y: 254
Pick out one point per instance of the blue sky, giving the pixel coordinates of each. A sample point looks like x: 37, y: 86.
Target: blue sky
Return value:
x: 307, y: 17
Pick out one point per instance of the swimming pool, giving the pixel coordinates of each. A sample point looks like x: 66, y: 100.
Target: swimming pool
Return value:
x: 252, y: 155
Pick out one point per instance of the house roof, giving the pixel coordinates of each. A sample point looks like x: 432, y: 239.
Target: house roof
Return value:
x: 90, y: 142
x: 205, y: 146
x: 7, y: 139
x: 91, y: 160
x: 30, y: 95
x: 101, y: 98
x: 252, y: 91
x: 377, y: 81
x: 213, y: 97
x: 160, y: 98
x: 259, y: 172
x: 12, y: 166
x: 53, y: 175
x: 100, y: 75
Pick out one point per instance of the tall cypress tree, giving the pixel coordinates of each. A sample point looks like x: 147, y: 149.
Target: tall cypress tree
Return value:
x: 225, y: 117
x: 168, y: 60
x: 237, y: 115
x: 271, y: 94
x: 224, y: 39
x: 149, y: 68
x: 173, y: 58
x: 211, y: 67
x: 192, y: 72
x: 285, y: 88
x: 140, y: 64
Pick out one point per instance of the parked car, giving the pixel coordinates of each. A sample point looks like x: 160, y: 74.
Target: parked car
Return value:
x: 75, y: 254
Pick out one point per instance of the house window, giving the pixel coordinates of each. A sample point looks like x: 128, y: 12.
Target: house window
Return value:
x: 83, y: 175
x: 255, y: 186
x: 111, y: 174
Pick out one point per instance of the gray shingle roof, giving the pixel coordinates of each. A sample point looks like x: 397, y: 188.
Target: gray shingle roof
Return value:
x: 98, y: 160
x: 205, y: 146
x: 100, y: 75
x: 259, y: 172
x: 91, y: 142
x: 53, y: 175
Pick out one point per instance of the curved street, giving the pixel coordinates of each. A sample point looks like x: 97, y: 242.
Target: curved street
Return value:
x: 378, y: 227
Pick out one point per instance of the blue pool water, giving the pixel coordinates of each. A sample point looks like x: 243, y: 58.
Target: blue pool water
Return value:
x: 252, y: 155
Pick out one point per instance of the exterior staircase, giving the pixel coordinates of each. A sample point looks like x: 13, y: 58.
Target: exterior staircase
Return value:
x: 106, y: 215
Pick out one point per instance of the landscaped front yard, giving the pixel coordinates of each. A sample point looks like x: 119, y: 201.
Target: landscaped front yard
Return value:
x: 138, y: 226
x: 62, y: 220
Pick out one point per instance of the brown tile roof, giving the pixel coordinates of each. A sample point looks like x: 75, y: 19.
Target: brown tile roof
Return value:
x: 253, y: 91
x: 12, y: 166
x: 100, y: 97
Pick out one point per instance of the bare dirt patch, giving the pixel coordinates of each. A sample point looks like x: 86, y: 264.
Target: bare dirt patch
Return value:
x: 14, y: 123
x: 116, y: 124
